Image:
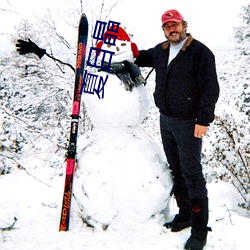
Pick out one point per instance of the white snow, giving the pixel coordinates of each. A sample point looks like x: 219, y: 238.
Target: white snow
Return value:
x: 118, y: 108
x: 122, y: 178
x: 37, y: 208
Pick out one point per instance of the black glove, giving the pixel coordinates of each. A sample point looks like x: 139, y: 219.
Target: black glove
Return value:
x: 128, y: 72
x: 135, y: 73
x: 24, y: 47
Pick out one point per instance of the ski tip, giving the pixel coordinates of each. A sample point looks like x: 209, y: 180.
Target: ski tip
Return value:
x: 83, y: 16
x: 84, y: 19
x: 83, y: 24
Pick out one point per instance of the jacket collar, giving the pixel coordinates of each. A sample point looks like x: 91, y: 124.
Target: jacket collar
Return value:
x: 166, y: 44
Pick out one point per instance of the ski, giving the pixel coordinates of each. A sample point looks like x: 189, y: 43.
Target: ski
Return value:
x: 71, y: 160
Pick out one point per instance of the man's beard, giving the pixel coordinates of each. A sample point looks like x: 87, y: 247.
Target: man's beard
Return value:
x: 182, y: 36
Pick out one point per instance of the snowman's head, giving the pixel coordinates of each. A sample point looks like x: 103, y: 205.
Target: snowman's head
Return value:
x: 124, y: 49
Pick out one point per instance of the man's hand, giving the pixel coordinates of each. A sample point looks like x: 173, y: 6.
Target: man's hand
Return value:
x: 200, y: 131
x: 24, y: 47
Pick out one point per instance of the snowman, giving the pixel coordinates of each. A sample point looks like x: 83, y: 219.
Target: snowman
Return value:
x: 122, y: 178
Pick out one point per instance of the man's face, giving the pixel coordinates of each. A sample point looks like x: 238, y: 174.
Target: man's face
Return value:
x: 174, y: 32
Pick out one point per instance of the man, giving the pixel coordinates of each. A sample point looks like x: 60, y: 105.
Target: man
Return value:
x: 186, y: 92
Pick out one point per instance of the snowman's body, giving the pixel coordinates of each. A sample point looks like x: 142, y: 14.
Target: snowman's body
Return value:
x: 122, y: 177
x: 118, y: 108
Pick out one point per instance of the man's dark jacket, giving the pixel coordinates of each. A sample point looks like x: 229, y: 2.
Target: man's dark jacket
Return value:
x: 187, y: 88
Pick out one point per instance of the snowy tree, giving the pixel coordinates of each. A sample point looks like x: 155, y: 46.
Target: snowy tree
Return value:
x: 34, y: 105
x: 242, y: 39
x: 230, y: 154
x: 242, y: 33
x: 36, y: 95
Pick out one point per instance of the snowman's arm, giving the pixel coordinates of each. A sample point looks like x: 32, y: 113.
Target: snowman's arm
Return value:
x: 25, y: 47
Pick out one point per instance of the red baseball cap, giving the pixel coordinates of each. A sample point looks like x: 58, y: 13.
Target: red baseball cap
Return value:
x: 171, y: 16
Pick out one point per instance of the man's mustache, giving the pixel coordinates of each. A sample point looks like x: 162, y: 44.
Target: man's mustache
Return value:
x: 173, y: 33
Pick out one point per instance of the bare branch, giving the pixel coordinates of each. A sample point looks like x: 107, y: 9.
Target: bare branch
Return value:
x: 1, y: 9
x: 19, y: 166
x: 10, y: 227
x: 57, y: 60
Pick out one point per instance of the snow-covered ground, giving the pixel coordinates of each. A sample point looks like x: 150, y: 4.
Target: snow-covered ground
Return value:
x: 37, y: 208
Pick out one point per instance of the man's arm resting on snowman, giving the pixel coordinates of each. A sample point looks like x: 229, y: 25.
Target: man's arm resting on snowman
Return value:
x: 24, y: 47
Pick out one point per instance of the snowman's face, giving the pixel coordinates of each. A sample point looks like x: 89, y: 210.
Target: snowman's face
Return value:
x: 122, y: 51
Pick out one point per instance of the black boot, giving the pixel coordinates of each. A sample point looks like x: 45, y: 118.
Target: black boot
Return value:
x: 199, y: 215
x: 182, y: 220
x: 197, y: 240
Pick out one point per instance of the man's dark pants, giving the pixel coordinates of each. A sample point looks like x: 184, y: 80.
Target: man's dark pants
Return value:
x: 183, y: 152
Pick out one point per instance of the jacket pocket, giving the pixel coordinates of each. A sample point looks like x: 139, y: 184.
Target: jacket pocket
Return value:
x: 159, y: 101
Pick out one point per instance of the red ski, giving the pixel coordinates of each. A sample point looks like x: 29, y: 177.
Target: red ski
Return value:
x: 71, y: 153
